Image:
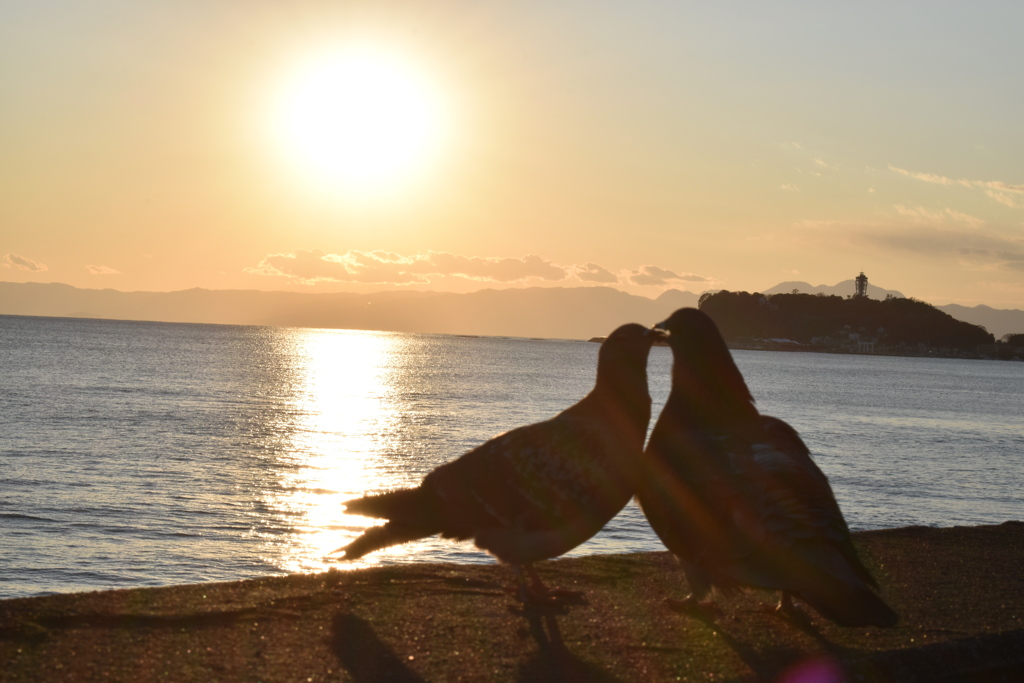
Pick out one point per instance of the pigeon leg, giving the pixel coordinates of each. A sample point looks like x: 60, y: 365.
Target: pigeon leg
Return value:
x: 787, y: 609
x: 535, y: 592
x: 520, y: 589
x: 556, y: 593
x: 685, y: 605
x: 693, y: 605
x: 700, y: 588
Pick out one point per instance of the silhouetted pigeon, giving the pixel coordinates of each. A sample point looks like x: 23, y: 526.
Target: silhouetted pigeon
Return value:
x: 537, y: 491
x: 735, y: 495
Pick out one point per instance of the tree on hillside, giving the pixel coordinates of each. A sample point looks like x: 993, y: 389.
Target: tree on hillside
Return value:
x: 1012, y: 339
x: 802, y: 317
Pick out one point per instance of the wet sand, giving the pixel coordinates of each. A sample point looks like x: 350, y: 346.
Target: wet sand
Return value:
x: 959, y: 592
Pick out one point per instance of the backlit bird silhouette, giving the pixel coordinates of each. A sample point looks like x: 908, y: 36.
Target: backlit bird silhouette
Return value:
x: 537, y: 491
x: 735, y: 495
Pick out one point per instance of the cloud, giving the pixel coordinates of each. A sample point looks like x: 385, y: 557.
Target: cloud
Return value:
x: 591, y: 272
x: 952, y: 239
x: 494, y: 269
x: 967, y: 219
x: 654, y: 275
x: 1011, y: 201
x: 789, y: 187
x: 926, y: 177
x: 931, y: 241
x: 919, y: 214
x: 22, y: 263
x: 1004, y: 193
x: 310, y: 266
x: 101, y: 270
x: 381, y: 267
x: 1004, y: 255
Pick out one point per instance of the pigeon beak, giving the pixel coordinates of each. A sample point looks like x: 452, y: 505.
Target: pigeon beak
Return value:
x: 659, y: 331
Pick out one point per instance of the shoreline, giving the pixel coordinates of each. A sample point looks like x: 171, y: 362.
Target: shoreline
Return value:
x: 959, y: 592
x: 796, y: 347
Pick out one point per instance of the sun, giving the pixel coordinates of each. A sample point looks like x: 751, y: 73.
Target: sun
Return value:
x: 360, y: 120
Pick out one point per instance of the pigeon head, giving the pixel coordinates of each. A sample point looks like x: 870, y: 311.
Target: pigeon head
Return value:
x: 693, y: 332
x: 628, y: 343
x: 620, y: 394
x: 703, y: 366
x: 622, y: 358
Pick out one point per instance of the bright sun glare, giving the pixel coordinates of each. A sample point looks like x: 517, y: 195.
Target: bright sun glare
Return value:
x: 360, y: 120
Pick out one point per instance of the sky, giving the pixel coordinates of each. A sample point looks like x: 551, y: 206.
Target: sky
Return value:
x: 173, y: 144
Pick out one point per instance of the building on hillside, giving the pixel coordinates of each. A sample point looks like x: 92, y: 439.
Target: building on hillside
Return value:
x: 861, y: 282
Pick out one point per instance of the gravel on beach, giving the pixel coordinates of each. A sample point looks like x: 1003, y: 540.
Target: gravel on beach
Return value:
x: 959, y: 592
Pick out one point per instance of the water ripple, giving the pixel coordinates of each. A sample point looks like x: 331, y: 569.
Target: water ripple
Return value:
x: 148, y: 453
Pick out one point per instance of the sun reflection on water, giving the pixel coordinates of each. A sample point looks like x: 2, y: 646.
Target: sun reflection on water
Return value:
x: 344, y: 409
x: 357, y: 412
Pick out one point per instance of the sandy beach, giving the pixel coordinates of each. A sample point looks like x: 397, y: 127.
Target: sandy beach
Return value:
x: 959, y: 592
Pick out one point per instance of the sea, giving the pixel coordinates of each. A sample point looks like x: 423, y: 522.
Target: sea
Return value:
x: 147, y: 454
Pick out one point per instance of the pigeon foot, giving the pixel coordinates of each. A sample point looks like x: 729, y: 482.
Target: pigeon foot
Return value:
x: 691, y: 605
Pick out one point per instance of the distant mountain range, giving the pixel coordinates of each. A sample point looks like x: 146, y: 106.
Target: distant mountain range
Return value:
x: 548, y: 312
x: 567, y: 313
x: 998, y: 321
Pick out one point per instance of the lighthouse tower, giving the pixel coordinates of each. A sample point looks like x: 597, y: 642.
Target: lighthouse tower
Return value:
x: 862, y: 285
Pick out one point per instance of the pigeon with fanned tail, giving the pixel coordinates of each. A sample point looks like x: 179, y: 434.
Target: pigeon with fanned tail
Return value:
x: 735, y: 495
x: 537, y: 491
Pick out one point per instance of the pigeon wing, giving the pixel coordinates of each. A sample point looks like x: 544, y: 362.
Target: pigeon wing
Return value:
x: 536, y: 490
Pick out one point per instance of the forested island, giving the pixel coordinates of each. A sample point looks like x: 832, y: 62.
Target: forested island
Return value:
x: 856, y: 324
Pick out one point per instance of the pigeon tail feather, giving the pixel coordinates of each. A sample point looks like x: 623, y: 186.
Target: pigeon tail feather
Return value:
x: 405, y: 504
x: 411, y: 515
x: 384, y: 536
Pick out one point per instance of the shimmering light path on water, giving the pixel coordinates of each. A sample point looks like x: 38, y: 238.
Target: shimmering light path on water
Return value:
x: 152, y: 454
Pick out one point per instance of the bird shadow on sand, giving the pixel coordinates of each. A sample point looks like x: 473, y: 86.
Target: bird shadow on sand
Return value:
x: 365, y: 656
x: 771, y: 663
x: 552, y: 661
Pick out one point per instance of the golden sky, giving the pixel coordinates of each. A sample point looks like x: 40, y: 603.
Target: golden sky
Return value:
x: 366, y: 146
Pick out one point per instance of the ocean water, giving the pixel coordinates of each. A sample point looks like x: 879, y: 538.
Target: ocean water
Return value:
x: 146, y: 454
